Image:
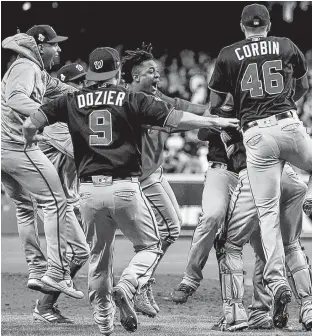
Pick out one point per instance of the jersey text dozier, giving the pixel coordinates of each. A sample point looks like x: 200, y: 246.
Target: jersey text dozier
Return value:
x: 257, y: 48
x: 100, y: 98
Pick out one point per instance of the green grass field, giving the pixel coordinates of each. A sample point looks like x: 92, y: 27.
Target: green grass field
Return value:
x: 192, y: 319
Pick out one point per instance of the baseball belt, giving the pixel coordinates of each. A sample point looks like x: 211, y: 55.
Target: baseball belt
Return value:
x: 279, y: 116
x: 105, y: 179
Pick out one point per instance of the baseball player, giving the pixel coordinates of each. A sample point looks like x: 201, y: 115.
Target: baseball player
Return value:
x: 220, y: 182
x: 141, y: 74
x: 59, y: 150
x: 27, y: 172
x: 259, y: 73
x: 241, y: 223
x: 105, y: 123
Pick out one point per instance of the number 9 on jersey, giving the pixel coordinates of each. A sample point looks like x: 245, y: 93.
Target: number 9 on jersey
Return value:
x: 100, y: 122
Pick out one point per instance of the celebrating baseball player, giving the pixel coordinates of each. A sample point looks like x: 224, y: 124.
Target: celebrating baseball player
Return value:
x: 26, y: 172
x: 220, y: 182
x: 105, y: 123
x: 140, y: 72
x: 59, y: 149
x: 259, y: 72
x: 242, y: 226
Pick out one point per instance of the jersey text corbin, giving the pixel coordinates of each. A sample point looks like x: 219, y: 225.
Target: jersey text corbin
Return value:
x: 257, y: 48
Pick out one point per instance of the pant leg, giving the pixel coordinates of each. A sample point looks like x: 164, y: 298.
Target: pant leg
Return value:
x: 77, y: 247
x: 218, y: 186
x: 264, y: 170
x: 78, y: 250
x: 241, y: 222
x: 27, y: 226
x: 36, y: 174
x: 100, y: 235
x: 261, y: 303
x: 136, y: 220
x: 164, y: 204
x: 297, y: 263
x: 295, y: 144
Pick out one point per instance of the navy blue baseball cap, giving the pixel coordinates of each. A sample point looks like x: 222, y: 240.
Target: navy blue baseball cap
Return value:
x: 71, y: 72
x: 45, y: 34
x: 255, y: 15
x: 104, y: 63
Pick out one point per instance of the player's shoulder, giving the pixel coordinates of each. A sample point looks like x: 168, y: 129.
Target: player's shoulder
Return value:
x: 228, y: 50
x: 282, y: 40
x: 232, y: 46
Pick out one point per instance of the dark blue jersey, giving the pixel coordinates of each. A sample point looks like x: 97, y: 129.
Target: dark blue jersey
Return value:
x: 105, y: 126
x: 259, y: 72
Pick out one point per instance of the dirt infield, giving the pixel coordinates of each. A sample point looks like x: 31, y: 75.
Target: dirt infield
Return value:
x: 192, y: 319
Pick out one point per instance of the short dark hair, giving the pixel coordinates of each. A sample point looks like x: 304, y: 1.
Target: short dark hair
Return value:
x: 133, y: 59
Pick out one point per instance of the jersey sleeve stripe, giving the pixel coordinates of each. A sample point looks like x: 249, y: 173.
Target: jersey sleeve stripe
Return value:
x: 209, y: 87
x: 173, y: 118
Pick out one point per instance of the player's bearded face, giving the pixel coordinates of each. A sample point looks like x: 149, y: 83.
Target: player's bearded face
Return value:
x: 50, y: 55
x: 149, y: 77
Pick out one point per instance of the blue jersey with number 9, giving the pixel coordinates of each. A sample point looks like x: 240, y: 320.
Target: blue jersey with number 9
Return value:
x: 259, y: 72
x: 105, y: 126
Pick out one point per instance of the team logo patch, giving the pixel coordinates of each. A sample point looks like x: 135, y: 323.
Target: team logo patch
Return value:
x: 98, y: 64
x: 41, y: 37
x: 79, y: 67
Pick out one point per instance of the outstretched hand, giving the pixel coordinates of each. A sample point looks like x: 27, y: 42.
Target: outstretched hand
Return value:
x: 228, y: 122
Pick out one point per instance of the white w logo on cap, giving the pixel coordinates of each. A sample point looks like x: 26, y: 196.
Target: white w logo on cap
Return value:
x: 98, y: 64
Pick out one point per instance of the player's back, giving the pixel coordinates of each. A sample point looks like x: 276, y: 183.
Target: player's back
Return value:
x: 261, y: 72
x: 105, y: 125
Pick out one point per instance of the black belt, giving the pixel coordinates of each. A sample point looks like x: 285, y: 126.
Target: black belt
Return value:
x: 280, y: 116
x: 88, y: 179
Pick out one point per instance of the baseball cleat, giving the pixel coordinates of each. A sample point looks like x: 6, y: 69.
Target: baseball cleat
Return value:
x: 221, y: 325
x: 182, y: 293
x: 259, y: 319
x: 306, y: 315
x: 307, y: 207
x: 105, y: 323
x: 281, y: 299
x: 150, y: 295
x: 307, y: 326
x: 261, y: 325
x: 128, y: 317
x: 142, y: 304
x: 49, y: 313
x: 64, y: 286
x: 38, y: 285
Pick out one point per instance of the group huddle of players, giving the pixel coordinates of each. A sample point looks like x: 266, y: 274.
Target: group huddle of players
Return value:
x: 96, y: 165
